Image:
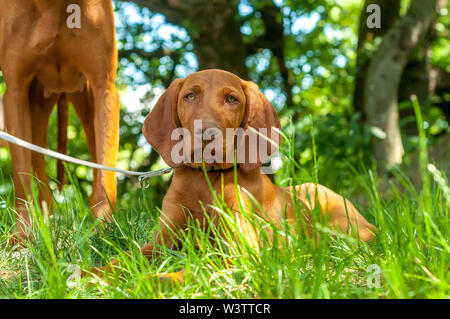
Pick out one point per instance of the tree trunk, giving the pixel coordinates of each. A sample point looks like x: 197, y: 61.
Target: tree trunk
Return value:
x: 383, y: 78
x: 417, y: 77
x: 212, y: 27
x: 390, y: 12
x: 415, y: 80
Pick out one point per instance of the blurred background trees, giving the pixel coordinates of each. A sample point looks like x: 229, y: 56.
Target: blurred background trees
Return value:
x: 310, y: 57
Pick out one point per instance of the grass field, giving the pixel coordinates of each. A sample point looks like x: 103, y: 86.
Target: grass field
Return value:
x: 409, y: 258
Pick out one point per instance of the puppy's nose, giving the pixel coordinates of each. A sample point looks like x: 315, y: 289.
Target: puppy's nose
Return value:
x: 199, y: 130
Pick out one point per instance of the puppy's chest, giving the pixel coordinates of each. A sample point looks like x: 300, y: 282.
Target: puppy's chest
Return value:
x: 200, y: 196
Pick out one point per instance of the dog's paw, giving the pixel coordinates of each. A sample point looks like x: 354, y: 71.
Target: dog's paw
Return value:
x: 74, y: 279
x: 174, y: 277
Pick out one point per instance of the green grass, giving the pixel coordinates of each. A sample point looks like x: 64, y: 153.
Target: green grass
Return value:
x: 410, y: 253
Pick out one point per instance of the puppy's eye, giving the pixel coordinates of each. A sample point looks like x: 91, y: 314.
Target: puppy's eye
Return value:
x: 190, y: 97
x: 231, y: 99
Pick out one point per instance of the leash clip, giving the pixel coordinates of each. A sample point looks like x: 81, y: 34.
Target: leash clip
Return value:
x: 144, y: 178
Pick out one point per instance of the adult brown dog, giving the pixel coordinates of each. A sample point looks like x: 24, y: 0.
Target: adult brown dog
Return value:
x: 47, y: 58
x: 222, y: 101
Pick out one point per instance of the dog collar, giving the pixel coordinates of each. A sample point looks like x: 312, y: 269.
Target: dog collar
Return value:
x: 213, y: 169
x: 209, y: 169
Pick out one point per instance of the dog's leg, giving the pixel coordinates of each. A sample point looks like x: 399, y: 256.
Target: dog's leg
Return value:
x: 84, y: 107
x: 83, y: 103
x: 41, y: 109
x: 18, y: 123
x: 106, y: 128
x: 341, y: 213
x: 98, y: 64
x: 165, y: 236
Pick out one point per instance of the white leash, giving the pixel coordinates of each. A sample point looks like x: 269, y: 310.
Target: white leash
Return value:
x: 140, y: 175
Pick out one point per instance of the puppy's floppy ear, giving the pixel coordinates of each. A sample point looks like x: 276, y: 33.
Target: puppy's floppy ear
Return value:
x: 162, y: 121
x: 262, y: 117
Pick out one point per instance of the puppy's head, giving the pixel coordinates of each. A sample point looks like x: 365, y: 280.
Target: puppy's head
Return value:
x: 209, y: 116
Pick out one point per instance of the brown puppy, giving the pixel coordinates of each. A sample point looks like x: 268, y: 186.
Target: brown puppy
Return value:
x: 222, y: 100
x: 45, y: 57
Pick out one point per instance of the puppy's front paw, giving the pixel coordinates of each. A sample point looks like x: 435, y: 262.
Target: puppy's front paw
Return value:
x: 175, y: 277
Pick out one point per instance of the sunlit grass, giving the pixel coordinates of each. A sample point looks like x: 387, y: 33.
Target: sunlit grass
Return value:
x: 411, y: 249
